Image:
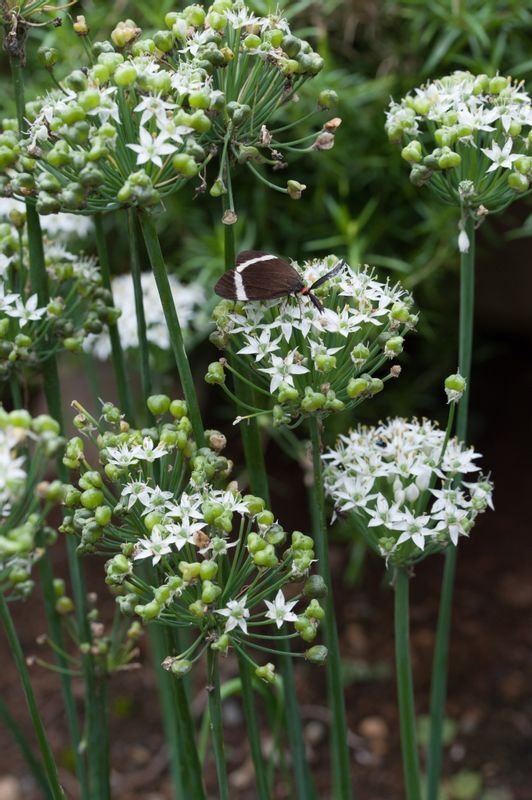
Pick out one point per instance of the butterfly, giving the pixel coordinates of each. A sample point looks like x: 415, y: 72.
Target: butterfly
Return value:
x: 262, y: 276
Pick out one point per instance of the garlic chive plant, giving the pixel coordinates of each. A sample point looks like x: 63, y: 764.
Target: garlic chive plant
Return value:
x: 223, y: 570
x: 411, y: 491
x: 304, y: 361
x: 467, y: 138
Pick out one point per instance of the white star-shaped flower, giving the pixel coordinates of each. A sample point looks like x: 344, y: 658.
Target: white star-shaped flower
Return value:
x: 282, y: 370
x: 280, y: 610
x: 151, y: 149
x: 236, y: 613
x: 501, y: 157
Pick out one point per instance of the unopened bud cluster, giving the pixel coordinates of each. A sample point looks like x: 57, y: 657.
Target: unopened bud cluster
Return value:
x: 313, y: 362
x: 466, y: 129
x: 406, y: 484
x: 220, y: 562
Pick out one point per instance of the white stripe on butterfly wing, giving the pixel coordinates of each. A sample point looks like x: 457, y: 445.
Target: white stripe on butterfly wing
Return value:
x: 250, y: 261
x: 239, y: 287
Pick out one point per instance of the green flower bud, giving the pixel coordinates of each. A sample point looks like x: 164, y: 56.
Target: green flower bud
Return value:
x: 48, y: 56
x: 185, y: 164
x: 164, y: 41
x: 449, y: 159
x: 125, y: 33
x: 20, y: 418
x: 393, y: 346
x: 92, y: 498
x: 215, y: 373
x: 266, y: 558
x: 327, y: 99
x: 218, y: 188
x: 252, y: 42
x: 210, y: 592
x: 314, y: 611
x: 189, y: 571
x: 325, y: 363
x: 291, y: 45
x: 301, y: 542
x: 158, y: 404
x: 357, y: 387
x: 265, y: 517
x: 266, y: 673
x: 208, y: 570
x: 287, y: 393
x: 312, y: 401
x: 497, y: 84
x: 517, y: 182
x: 125, y: 75
x: 255, y: 504
x: 102, y: 515
x: 315, y: 587
x: 64, y: 605
x: 306, y: 629
x: 180, y: 667
x: 221, y: 644
x: 149, y: 610
x: 295, y: 189
x: 455, y: 386
x: 197, y: 608
x: 445, y: 137
x: 376, y: 386
x: 412, y: 152
x: 316, y: 654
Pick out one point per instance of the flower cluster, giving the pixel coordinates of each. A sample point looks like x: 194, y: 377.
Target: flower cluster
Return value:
x: 78, y: 305
x: 26, y: 446
x: 468, y: 137
x: 310, y: 361
x: 218, y: 562
x: 189, y: 300
x: 152, y: 112
x: 404, y: 483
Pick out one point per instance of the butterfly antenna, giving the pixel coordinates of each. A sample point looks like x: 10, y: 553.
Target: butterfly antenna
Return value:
x: 334, y: 271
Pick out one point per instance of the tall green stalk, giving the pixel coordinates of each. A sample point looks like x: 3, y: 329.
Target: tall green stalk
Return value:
x: 117, y: 354
x: 216, y: 723
x: 405, y: 688
x: 158, y: 266
x: 253, y: 729
x: 259, y: 485
x: 136, y: 273
x: 20, y: 662
x: 339, y: 746
x: 441, y: 648
x: 39, y: 284
x: 36, y: 768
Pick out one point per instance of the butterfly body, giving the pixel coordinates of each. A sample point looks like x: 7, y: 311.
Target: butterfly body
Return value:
x: 261, y: 276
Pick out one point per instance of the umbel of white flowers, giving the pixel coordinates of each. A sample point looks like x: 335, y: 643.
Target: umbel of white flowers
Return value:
x: 410, y: 490
x: 468, y: 138
x: 312, y: 361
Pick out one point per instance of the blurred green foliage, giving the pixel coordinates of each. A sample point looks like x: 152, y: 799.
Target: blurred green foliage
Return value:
x: 359, y: 202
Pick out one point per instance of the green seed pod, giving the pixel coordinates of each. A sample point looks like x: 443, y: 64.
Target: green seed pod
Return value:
x: 316, y: 654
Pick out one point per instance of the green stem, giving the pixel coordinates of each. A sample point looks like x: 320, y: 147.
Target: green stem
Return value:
x: 216, y: 726
x: 136, y: 274
x: 339, y: 745
x: 252, y: 729
x: 24, y: 746
x: 441, y: 649
x: 18, y: 657
x: 178, y: 725
x: 39, y: 282
x: 98, y: 724
x: 117, y: 354
x: 405, y: 689
x: 155, y: 255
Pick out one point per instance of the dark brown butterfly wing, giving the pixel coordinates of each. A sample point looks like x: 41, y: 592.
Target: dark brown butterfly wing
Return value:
x: 258, y: 276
